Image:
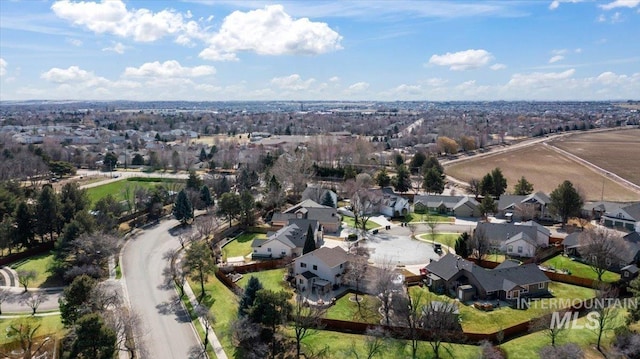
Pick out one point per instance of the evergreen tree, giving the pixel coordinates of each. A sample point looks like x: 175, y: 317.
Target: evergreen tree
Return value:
x: 432, y: 162
x: 205, y: 196
x: 383, y: 179
x: 499, y: 182
x: 417, y: 162
x: 213, y: 151
x: 194, y: 182
x: 249, y: 295
x: 74, y: 301
x: 402, y: 182
x: 182, y: 208
x: 433, y: 181
x: 565, y: 201
x: 462, y: 245
x: 523, y: 187
x: 488, y: 205
x: 73, y: 200
x: 486, y: 185
x: 327, y: 200
x: 47, y: 213
x: 247, y: 209
x: 94, y: 339
x: 309, y: 242
x: 203, y: 155
x: 221, y: 186
x: 23, y: 232
x: 229, y: 206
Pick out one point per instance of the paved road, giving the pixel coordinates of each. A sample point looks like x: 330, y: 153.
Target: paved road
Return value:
x: 14, y: 304
x: 169, y: 333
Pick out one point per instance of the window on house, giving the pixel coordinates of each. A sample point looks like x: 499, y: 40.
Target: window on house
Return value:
x: 540, y: 285
x: 510, y: 248
x: 268, y: 249
x: 283, y: 252
x: 626, y: 274
x: 303, y: 265
x: 315, y: 267
x: 255, y: 251
x: 300, y: 281
x: 519, y: 249
x: 341, y: 265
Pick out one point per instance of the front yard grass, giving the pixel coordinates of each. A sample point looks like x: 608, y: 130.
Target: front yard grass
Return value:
x: 241, y: 245
x: 478, y: 321
x: 40, y: 264
x: 579, y: 269
x: 424, y: 217
x: 350, y: 222
x: 448, y: 239
x: 50, y: 325
x: 270, y: 279
x: 116, y: 189
x: 345, y: 309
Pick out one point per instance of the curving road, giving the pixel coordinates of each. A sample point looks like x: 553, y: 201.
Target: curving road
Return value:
x: 167, y: 327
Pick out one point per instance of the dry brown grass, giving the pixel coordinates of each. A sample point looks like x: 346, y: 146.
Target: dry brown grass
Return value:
x: 615, y: 151
x: 546, y: 169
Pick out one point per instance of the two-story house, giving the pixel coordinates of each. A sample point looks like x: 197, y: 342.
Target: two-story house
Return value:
x: 321, y: 270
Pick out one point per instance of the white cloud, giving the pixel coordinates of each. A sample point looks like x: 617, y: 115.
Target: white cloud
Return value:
x: 74, y: 42
x: 113, y: 17
x: 556, y: 58
x: 3, y: 66
x: 117, y: 47
x: 496, y: 67
x: 73, y: 74
x: 539, y: 79
x: 462, y: 60
x: 620, y: 3
x: 334, y: 79
x: 601, y: 18
x: 357, y: 87
x: 270, y: 31
x: 556, y: 3
x: 292, y: 82
x: 168, y: 69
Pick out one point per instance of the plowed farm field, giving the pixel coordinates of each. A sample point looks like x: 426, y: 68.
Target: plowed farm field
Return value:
x: 546, y: 168
x: 614, y: 151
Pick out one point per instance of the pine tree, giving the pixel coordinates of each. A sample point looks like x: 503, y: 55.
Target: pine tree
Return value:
x: 433, y: 181
x: 523, y: 187
x: 462, y: 245
x: 182, y: 208
x: 194, y: 182
x: 309, y: 242
x: 205, y: 196
x: 203, y: 155
x: 383, y: 179
x: 327, y: 200
x: 23, y: 233
x: 47, y: 213
x: 249, y: 296
x: 402, y: 181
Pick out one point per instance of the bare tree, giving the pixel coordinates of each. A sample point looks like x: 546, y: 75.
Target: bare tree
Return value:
x: 480, y: 245
x: 364, y: 202
x: 408, y: 307
x: 5, y: 296
x: 566, y: 351
x: 413, y: 228
x: 357, y: 266
x: 173, y: 272
x: 293, y: 170
x: 24, y: 330
x: 546, y: 325
x: 128, y: 327
x: 385, y: 284
x: 375, y: 344
x: 440, y: 318
x: 33, y: 300
x: 432, y: 223
x: 25, y: 277
x: 207, y: 320
x: 526, y: 211
x: 246, y: 339
x: 306, y: 320
x: 605, y: 311
x: 601, y: 249
x: 474, y: 187
x: 206, y: 225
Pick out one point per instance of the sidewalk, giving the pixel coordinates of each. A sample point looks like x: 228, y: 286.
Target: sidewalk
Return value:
x: 213, y: 339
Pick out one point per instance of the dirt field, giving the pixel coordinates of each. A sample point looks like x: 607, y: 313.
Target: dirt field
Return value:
x: 546, y: 169
x: 614, y: 151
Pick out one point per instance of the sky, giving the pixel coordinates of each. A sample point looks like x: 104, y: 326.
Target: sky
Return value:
x: 215, y: 50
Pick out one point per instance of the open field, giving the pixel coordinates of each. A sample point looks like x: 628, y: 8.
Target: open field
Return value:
x: 117, y: 189
x: 611, y: 150
x: 545, y: 169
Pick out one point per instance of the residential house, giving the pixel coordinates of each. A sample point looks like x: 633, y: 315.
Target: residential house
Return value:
x: 571, y: 244
x: 627, y: 217
x: 595, y: 210
x: 630, y: 255
x: 459, y: 206
x: 517, y: 207
x: 451, y: 273
x: 328, y: 217
x: 629, y: 273
x: 320, y: 270
x: 517, y: 239
x: 288, y: 241
x: 391, y: 205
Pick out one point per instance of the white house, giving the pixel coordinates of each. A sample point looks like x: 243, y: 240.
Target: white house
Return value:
x: 627, y: 217
x: 520, y: 245
x: 287, y: 241
x: 321, y: 269
x: 392, y: 205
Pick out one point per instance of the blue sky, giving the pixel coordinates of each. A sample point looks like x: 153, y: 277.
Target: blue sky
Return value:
x: 320, y: 50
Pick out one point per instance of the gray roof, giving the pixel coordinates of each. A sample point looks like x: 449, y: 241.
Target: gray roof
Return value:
x: 572, y: 240
x: 521, y: 236
x: 434, y: 201
x: 491, y: 280
x: 503, y: 231
x: 292, y: 235
x: 633, y: 210
x: 508, y: 200
x: 632, y: 252
x: 602, y: 206
x: 508, y: 264
x: 332, y: 257
x: 310, y: 210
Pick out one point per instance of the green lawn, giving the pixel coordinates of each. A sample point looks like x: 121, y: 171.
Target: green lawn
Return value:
x: 419, y: 217
x: 345, y: 309
x: 241, y: 245
x: 339, y: 345
x: 349, y: 221
x: 478, y: 321
x: 448, y: 239
x: 528, y: 345
x: 40, y: 264
x: 117, y: 188
x: 270, y: 279
x: 579, y: 269
x: 50, y: 325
